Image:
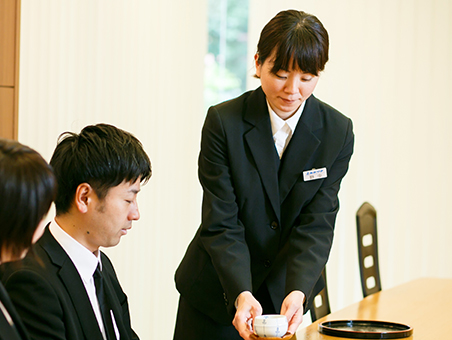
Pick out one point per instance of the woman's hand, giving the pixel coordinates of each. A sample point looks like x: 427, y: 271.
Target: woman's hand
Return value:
x: 247, y: 309
x: 292, y: 308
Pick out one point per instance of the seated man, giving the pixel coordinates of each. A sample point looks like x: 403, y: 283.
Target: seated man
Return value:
x: 66, y: 288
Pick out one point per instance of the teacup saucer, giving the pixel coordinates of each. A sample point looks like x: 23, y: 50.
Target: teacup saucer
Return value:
x: 285, y: 337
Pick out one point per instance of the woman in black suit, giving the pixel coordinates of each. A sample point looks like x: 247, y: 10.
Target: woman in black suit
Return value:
x: 270, y: 165
x: 27, y: 189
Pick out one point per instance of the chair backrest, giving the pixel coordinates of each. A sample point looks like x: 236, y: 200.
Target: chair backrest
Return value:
x: 321, y: 304
x: 366, y: 224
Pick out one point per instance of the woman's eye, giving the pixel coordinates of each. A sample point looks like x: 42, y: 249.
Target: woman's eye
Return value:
x: 306, y: 79
x: 281, y: 76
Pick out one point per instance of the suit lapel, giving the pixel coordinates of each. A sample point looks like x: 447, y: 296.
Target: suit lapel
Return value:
x: 300, y: 149
x: 262, y: 147
x: 81, y: 302
x: 115, y: 306
x: 74, y: 286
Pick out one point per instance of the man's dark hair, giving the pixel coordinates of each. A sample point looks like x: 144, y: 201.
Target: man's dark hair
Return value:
x: 27, y: 189
x: 102, y: 156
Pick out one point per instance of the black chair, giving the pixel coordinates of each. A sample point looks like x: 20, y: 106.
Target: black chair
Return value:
x: 366, y: 224
x: 321, y: 304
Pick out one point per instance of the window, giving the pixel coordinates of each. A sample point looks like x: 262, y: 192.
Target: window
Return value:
x: 226, y: 60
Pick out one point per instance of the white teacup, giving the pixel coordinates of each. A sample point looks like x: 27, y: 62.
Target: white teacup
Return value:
x: 270, y: 325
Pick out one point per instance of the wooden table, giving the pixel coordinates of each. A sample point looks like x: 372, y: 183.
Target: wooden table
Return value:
x: 424, y: 304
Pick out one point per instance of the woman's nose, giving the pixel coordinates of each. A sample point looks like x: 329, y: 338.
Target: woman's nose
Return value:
x: 291, y: 85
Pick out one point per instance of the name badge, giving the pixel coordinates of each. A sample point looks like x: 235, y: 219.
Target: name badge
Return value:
x: 313, y: 174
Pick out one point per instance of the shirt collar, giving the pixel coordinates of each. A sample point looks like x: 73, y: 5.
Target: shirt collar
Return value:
x: 84, y: 260
x: 277, y: 122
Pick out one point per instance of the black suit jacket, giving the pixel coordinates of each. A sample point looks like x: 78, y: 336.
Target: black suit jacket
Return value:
x: 261, y: 221
x: 7, y: 332
x: 51, y: 299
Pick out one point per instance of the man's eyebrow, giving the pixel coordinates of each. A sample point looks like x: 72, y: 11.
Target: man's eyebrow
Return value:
x: 134, y: 191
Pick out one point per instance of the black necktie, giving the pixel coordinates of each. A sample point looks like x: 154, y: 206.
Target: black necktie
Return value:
x: 103, y: 304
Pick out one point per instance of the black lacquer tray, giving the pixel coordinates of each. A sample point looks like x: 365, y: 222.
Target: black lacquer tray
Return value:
x: 365, y: 329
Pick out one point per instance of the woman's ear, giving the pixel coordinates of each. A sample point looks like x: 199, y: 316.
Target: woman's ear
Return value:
x: 83, y: 197
x: 258, y: 65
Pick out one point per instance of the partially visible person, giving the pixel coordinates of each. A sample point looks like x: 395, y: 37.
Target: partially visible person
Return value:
x: 69, y: 289
x: 27, y: 189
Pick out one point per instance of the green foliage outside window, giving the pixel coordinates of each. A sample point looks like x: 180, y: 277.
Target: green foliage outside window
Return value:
x: 226, y: 63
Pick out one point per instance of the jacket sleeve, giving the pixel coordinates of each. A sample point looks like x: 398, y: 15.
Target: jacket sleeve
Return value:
x: 222, y: 233
x: 311, y: 239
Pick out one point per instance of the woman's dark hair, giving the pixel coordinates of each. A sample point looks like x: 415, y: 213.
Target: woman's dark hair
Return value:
x: 27, y: 189
x: 297, y: 37
x: 102, y: 156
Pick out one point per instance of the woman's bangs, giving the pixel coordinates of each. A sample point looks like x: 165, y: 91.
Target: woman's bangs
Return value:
x: 296, y: 56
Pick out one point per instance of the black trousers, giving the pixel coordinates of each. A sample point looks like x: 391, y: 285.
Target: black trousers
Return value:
x: 192, y: 324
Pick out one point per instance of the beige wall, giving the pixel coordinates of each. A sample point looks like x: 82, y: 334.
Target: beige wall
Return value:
x: 139, y: 64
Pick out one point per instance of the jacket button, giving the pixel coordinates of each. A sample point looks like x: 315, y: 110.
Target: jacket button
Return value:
x: 267, y: 263
x: 226, y: 302
x: 274, y: 225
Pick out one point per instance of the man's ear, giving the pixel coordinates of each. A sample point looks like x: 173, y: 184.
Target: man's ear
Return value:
x: 83, y: 197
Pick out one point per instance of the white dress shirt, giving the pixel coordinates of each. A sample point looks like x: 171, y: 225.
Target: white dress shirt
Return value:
x: 86, y: 263
x: 282, y: 130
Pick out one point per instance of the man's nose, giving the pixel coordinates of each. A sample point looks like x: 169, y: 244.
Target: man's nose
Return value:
x: 134, y: 214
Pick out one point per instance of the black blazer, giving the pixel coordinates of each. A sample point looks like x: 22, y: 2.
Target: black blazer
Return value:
x: 261, y: 221
x: 7, y: 332
x: 51, y: 299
